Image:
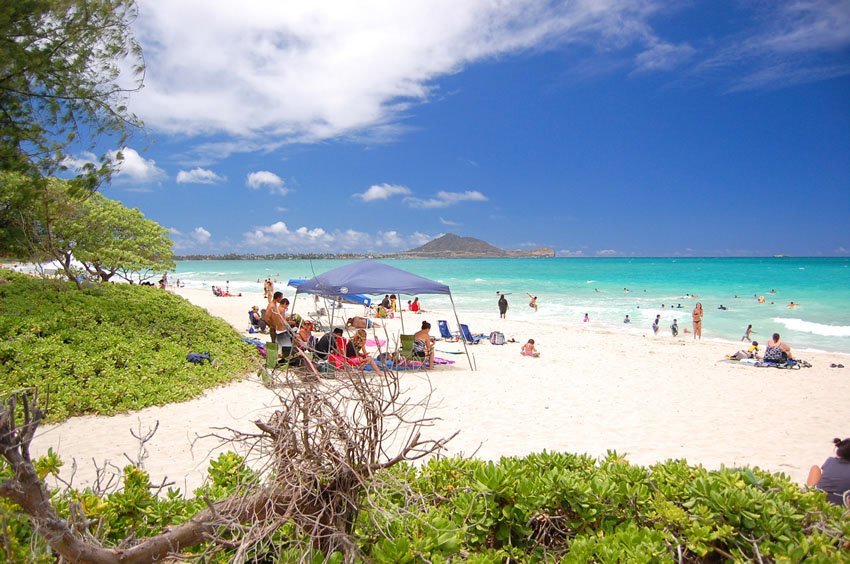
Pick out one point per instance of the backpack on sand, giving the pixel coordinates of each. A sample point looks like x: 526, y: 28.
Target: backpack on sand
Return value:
x: 497, y: 338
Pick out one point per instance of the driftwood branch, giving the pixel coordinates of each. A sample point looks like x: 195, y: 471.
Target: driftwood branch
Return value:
x: 318, y: 456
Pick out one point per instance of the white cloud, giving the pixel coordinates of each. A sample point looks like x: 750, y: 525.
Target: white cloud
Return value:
x: 444, y: 199
x: 570, y: 253
x: 661, y: 56
x: 174, y: 231
x: 606, y: 253
x: 793, y: 43
x: 78, y: 163
x: 841, y: 251
x: 198, y: 176
x: 383, y: 192
x: 279, y: 237
x: 308, y: 71
x: 134, y: 168
x: 266, y: 179
x: 449, y: 222
x: 201, y: 235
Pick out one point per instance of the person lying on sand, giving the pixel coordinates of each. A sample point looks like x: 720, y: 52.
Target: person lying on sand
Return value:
x: 361, y: 323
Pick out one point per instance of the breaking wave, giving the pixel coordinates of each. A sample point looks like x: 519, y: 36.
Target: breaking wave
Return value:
x: 795, y: 324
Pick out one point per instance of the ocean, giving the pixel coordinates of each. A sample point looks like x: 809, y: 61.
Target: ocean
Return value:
x: 608, y: 289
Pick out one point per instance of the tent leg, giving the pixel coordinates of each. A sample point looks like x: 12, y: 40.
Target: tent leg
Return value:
x: 457, y: 320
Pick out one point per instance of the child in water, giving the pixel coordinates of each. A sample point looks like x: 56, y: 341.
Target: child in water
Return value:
x: 529, y: 350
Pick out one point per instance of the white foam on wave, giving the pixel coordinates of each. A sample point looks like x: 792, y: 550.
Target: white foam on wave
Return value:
x: 590, y: 281
x: 479, y: 280
x: 795, y: 324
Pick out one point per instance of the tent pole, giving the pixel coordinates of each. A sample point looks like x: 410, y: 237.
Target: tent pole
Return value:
x: 457, y: 320
x: 400, y: 311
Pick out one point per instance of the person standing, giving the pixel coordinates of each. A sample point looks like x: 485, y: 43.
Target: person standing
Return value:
x: 503, y: 306
x: 675, y: 328
x: 656, y: 323
x: 697, y: 315
x: 274, y: 320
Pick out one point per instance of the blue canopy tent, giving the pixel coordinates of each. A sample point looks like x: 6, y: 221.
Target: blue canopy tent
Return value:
x: 352, y: 298
x: 374, y: 278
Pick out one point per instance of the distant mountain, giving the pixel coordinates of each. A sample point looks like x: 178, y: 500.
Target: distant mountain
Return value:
x: 454, y: 246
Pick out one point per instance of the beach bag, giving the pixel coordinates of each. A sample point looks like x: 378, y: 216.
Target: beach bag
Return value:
x: 497, y: 338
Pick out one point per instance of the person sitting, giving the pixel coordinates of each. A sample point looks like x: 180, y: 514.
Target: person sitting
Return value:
x: 361, y: 323
x: 423, y: 344
x: 352, y: 353
x: 328, y: 344
x: 356, y: 350
x: 381, y: 312
x: 833, y: 477
x: 304, y: 338
x: 753, y: 351
x: 414, y: 305
x: 777, y: 351
x: 529, y: 350
x: 257, y: 321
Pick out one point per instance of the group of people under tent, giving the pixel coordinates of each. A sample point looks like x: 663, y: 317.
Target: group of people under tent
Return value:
x: 290, y: 330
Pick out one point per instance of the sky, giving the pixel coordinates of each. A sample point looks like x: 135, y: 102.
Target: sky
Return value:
x: 594, y: 127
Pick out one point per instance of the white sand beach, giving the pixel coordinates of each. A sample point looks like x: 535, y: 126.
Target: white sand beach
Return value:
x: 649, y: 397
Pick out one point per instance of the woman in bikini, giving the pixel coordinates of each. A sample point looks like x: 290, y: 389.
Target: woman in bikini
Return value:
x: 697, y: 313
x: 423, y: 345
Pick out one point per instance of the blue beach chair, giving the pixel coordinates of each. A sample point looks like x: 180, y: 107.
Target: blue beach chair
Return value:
x: 468, y: 336
x: 445, y: 333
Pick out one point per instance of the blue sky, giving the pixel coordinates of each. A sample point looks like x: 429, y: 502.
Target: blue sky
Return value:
x: 597, y: 128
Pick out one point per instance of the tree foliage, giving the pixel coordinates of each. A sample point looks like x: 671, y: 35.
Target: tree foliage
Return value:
x: 66, y: 67
x: 105, y: 236
x: 113, y: 239
x: 59, y: 80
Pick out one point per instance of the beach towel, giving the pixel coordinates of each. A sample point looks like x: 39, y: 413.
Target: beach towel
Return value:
x: 261, y: 346
x: 197, y: 358
x: 788, y: 364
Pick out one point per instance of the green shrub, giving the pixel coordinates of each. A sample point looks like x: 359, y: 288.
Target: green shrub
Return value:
x: 548, y: 507
x: 109, y: 348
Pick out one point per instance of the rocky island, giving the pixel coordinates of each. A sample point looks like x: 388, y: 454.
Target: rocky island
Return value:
x: 454, y: 246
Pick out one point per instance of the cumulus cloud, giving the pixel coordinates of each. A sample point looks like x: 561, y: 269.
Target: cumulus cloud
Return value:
x: 198, y: 176
x: 306, y: 71
x: 606, y: 252
x: 201, y: 235
x: 383, y: 192
x: 280, y: 237
x: 445, y: 199
x: 266, y: 179
x: 135, y: 168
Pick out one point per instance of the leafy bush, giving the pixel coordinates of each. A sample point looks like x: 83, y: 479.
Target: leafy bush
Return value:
x: 549, y: 507
x: 109, y: 348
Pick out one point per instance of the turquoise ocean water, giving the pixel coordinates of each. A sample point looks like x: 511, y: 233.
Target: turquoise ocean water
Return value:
x: 567, y: 288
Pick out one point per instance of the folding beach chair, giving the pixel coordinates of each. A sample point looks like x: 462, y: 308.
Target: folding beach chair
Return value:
x: 468, y: 336
x: 406, y: 350
x: 445, y: 333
